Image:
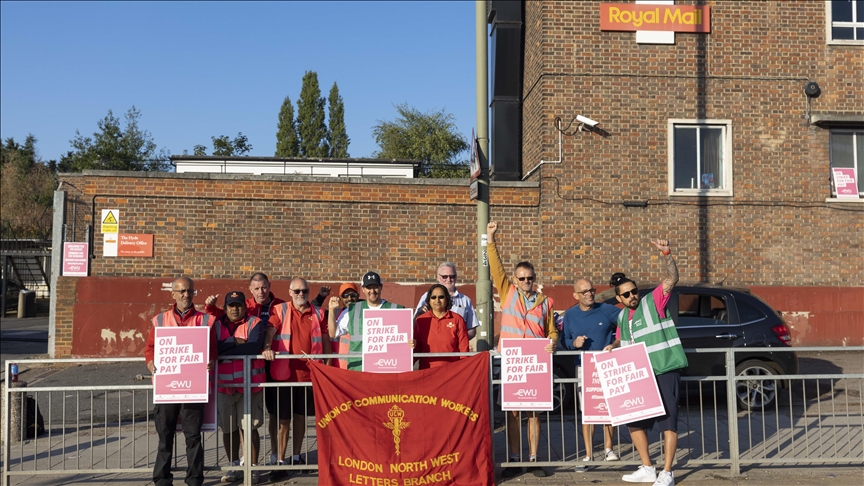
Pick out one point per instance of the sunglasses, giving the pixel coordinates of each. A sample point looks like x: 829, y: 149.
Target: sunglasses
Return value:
x: 350, y: 295
x: 530, y: 279
x: 626, y: 295
x: 447, y: 277
x: 300, y: 291
x: 589, y: 291
x: 437, y: 297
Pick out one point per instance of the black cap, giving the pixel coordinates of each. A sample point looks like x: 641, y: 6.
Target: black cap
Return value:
x: 235, y: 297
x: 371, y: 278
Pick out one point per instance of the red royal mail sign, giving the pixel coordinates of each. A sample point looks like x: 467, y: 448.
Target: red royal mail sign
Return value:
x: 631, y: 17
x: 135, y: 246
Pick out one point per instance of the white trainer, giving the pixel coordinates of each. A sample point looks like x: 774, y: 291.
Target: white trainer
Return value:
x: 645, y: 474
x: 582, y: 467
x: 611, y: 456
x: 665, y: 478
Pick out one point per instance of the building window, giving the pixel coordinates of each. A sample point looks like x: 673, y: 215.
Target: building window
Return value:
x: 845, y: 21
x: 700, y: 157
x: 847, y: 151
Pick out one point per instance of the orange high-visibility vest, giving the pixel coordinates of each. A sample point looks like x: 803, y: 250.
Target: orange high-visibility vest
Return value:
x: 280, y: 368
x: 518, y: 322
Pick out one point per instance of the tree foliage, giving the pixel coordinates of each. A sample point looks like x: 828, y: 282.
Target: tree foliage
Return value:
x: 225, y: 147
x: 26, y: 190
x: 430, y: 137
x: 287, y: 143
x: 310, y: 118
x: 116, y: 148
x: 337, y: 135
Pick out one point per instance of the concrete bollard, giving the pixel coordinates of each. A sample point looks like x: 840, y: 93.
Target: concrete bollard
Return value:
x: 17, y: 413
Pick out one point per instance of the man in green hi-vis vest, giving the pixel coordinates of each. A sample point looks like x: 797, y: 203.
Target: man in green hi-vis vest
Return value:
x: 645, y: 321
x: 351, y: 321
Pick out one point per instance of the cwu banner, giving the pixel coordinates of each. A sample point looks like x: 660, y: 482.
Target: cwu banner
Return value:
x: 428, y: 427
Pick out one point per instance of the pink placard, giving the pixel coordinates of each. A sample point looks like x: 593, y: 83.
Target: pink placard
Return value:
x: 75, y: 259
x: 628, y: 384
x: 594, y: 410
x: 845, y: 182
x: 208, y: 423
x: 181, y: 357
x: 386, y: 333
x: 526, y: 374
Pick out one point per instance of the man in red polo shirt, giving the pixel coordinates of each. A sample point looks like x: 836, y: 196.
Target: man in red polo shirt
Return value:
x: 297, y: 327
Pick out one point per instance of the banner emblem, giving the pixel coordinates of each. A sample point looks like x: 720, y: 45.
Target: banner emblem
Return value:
x: 397, y: 425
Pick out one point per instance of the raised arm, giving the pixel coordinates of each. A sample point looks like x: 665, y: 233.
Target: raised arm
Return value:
x: 665, y: 247
x: 496, y: 268
x: 331, y: 317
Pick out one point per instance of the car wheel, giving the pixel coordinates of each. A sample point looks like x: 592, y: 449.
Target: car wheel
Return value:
x: 562, y: 393
x: 756, y: 393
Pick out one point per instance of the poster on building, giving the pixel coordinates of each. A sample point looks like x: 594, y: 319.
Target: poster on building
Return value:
x: 110, y: 221
x: 628, y: 384
x: 109, y: 244
x: 140, y: 246
x: 526, y: 374
x: 181, y: 357
x: 429, y: 427
x: 76, y: 259
x: 845, y: 182
x: 594, y: 410
x: 386, y: 336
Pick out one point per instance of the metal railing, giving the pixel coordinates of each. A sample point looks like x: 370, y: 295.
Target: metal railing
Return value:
x: 813, y: 419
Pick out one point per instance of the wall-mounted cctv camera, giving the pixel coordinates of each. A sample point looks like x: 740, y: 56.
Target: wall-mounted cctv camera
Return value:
x: 586, y: 120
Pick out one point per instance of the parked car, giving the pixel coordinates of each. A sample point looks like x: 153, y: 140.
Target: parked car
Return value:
x: 13, y: 288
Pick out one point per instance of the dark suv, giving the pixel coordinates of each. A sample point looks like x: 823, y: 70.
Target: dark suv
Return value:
x: 711, y: 316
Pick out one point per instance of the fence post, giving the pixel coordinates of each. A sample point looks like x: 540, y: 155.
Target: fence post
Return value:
x: 247, y: 421
x: 732, y: 413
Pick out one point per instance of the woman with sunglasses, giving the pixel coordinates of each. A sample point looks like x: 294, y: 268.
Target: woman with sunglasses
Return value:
x: 439, y: 330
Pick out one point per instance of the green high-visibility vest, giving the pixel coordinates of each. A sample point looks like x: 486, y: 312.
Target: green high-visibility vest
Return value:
x: 355, y: 329
x: 659, y: 335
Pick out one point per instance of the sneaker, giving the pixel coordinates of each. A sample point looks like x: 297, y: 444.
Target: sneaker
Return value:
x: 645, y: 474
x: 611, y: 456
x: 232, y: 476
x: 271, y: 461
x: 665, y: 478
x: 583, y: 467
x: 278, y: 474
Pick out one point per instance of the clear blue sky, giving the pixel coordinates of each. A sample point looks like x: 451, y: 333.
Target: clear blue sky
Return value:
x: 200, y: 69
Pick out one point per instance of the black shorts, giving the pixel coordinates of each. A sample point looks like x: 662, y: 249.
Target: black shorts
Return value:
x: 669, y: 385
x: 285, y: 401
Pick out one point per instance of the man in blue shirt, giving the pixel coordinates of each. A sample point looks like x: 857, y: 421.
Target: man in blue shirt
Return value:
x: 590, y: 326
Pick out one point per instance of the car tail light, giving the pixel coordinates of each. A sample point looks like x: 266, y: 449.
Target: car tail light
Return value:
x: 783, y: 333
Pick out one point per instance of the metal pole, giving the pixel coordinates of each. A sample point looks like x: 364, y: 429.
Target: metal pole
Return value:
x: 484, y: 285
x: 732, y: 414
x: 58, y: 236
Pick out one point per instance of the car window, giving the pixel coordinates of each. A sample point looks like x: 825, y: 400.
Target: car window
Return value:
x: 748, y: 312
x: 698, y: 309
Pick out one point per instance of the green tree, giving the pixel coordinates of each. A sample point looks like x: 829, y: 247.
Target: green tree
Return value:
x: 337, y: 136
x: 429, y: 137
x: 225, y: 147
x: 26, y: 190
x: 310, y: 118
x: 116, y: 148
x: 287, y: 144
x: 199, y: 150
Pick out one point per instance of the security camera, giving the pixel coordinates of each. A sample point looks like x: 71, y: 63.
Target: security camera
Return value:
x: 586, y: 120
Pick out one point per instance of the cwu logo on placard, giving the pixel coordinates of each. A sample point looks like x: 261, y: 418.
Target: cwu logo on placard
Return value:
x: 387, y: 363
x: 181, y: 385
x: 634, y: 402
x: 526, y: 393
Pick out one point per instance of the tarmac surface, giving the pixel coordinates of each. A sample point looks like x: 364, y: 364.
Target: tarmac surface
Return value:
x: 27, y: 338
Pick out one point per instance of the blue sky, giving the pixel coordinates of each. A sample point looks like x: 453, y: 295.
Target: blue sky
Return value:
x: 203, y: 69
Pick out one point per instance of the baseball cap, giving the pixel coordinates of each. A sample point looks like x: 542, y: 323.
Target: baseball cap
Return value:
x: 371, y: 278
x: 235, y: 297
x: 348, y: 286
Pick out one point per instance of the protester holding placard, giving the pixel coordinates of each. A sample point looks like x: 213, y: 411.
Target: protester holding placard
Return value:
x: 181, y: 314
x: 590, y: 326
x: 439, y: 330
x: 645, y: 321
x: 525, y: 313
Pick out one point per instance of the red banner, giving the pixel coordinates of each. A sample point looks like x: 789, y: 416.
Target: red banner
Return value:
x: 428, y: 427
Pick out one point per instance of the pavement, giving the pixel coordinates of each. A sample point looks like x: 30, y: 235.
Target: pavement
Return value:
x: 122, y: 436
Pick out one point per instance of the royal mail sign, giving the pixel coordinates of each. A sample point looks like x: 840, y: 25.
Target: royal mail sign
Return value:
x: 670, y: 18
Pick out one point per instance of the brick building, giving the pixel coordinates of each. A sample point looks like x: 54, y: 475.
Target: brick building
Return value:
x: 711, y: 141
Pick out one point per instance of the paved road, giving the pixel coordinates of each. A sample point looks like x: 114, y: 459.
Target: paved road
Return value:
x: 22, y: 339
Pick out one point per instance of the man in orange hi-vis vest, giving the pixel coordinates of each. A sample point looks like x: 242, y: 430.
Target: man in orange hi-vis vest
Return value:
x: 525, y: 313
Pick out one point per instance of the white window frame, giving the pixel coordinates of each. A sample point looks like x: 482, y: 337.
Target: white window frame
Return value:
x: 726, y: 125
x: 858, y: 165
x: 830, y: 23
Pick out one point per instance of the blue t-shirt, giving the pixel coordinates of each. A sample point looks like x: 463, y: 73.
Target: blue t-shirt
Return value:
x: 598, y: 324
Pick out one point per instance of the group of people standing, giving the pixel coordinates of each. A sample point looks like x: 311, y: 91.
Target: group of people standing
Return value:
x: 444, y: 321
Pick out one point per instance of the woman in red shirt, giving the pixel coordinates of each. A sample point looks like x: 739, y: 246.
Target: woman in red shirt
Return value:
x: 439, y: 330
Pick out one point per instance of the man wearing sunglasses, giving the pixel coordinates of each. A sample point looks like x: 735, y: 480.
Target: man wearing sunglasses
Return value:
x: 590, y: 326
x: 348, y: 294
x: 462, y: 304
x: 296, y: 327
x: 645, y: 321
x: 525, y: 313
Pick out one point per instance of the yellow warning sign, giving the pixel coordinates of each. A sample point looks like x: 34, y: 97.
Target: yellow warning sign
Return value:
x: 110, y: 221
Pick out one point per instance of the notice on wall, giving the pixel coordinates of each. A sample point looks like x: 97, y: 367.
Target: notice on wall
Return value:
x: 135, y: 246
x: 845, y: 182
x: 628, y: 384
x: 386, y: 336
x: 110, y: 221
x: 526, y: 374
x: 594, y: 410
x: 109, y: 244
x: 181, y: 357
x: 76, y: 259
